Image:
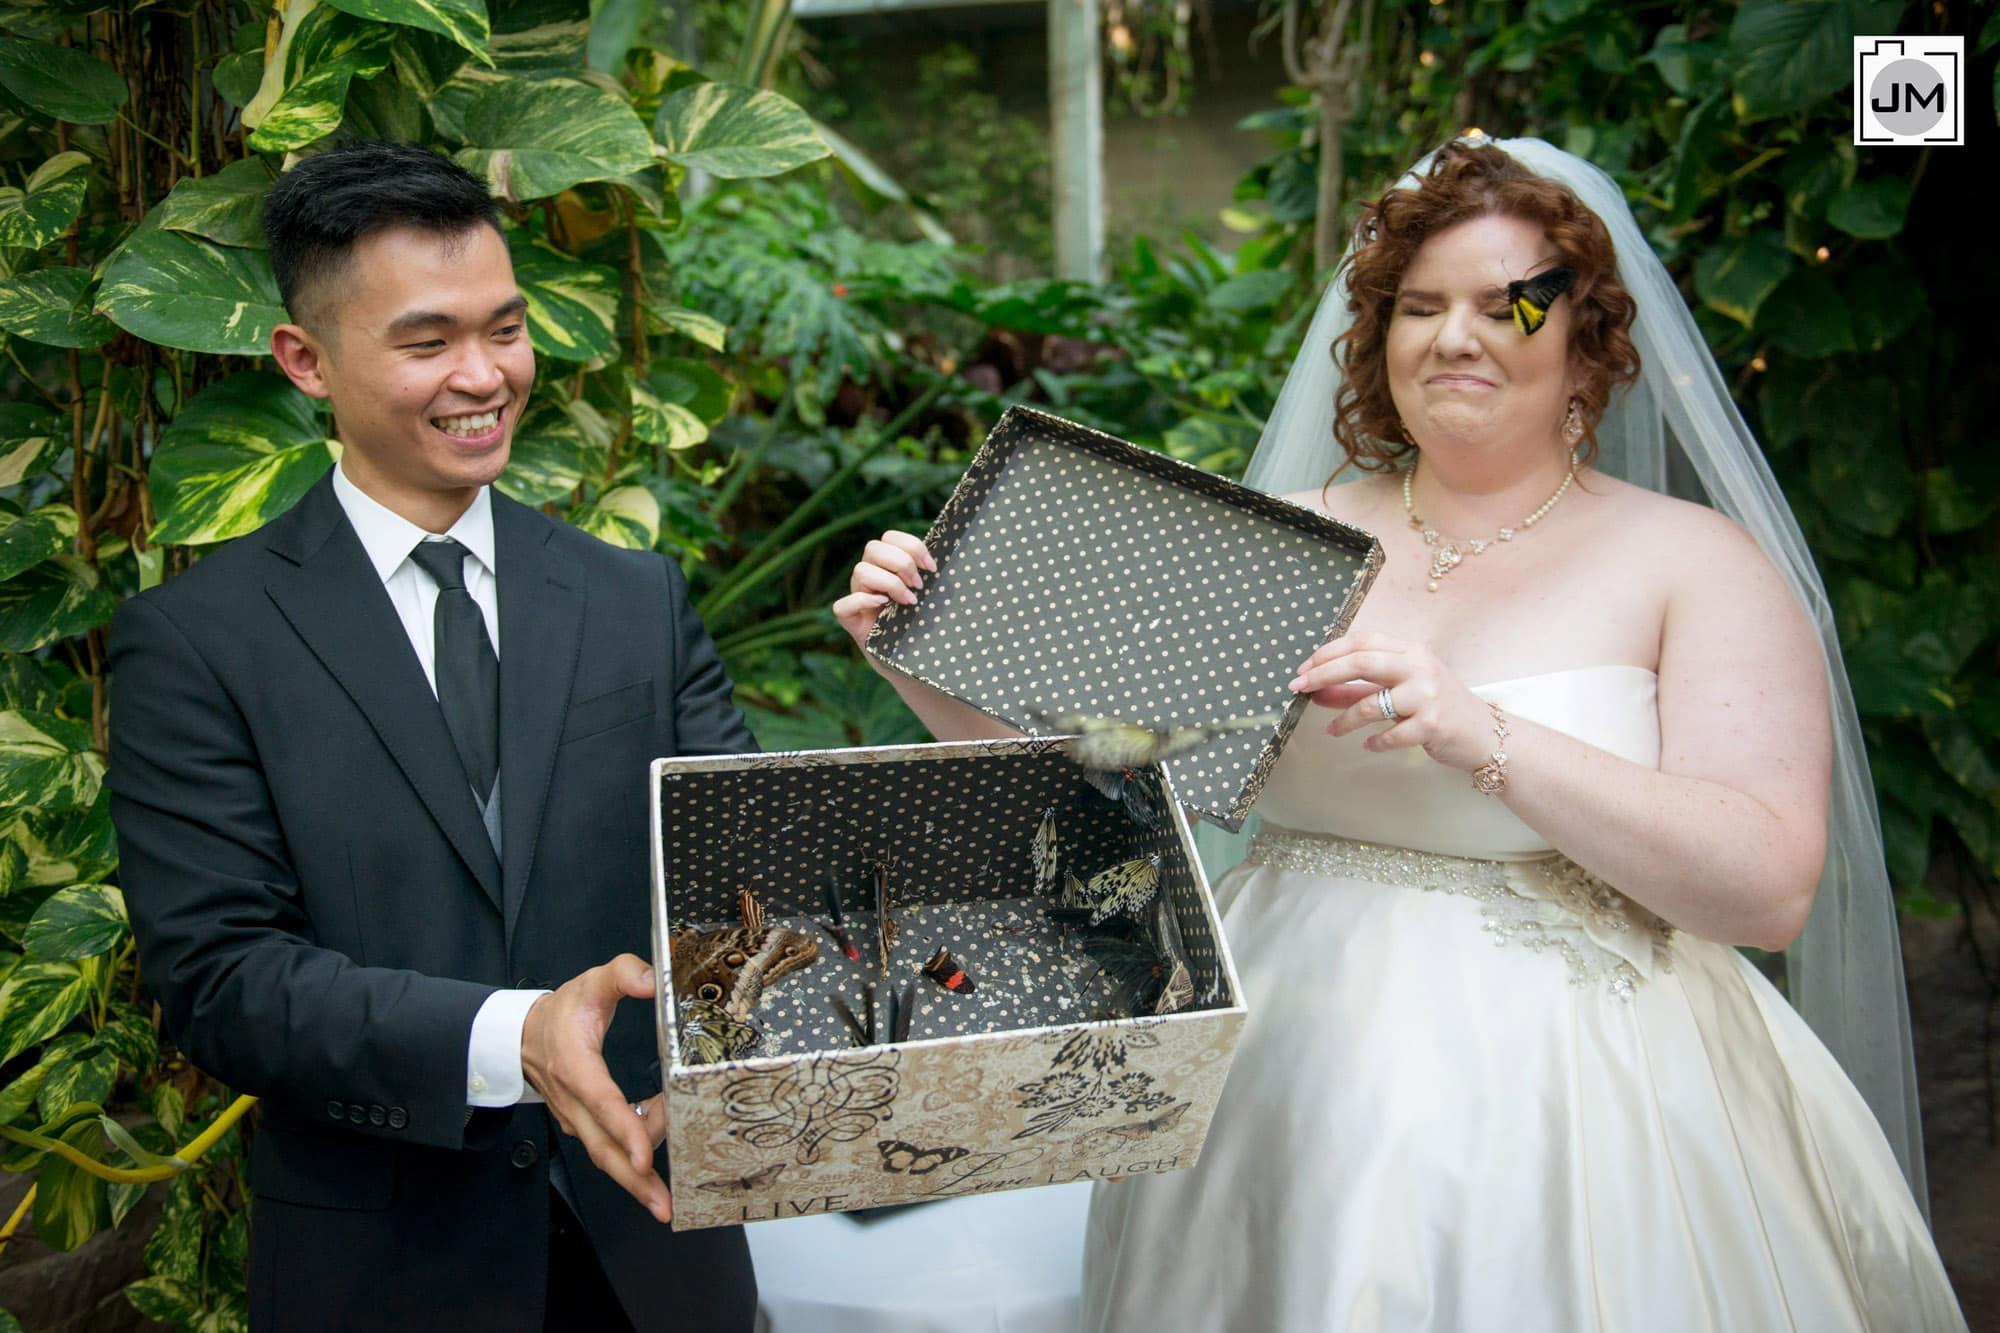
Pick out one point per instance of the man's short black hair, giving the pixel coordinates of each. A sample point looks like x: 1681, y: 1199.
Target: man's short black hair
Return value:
x: 321, y: 208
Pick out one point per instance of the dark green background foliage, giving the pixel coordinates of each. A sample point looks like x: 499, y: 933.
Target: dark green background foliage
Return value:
x: 757, y: 379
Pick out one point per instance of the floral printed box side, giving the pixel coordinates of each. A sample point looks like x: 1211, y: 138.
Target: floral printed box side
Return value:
x: 1012, y: 1077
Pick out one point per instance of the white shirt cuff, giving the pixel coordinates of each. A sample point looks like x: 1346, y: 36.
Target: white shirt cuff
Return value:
x: 493, y: 1056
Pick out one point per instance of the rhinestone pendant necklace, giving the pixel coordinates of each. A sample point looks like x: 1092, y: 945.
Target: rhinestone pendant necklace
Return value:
x: 1446, y: 552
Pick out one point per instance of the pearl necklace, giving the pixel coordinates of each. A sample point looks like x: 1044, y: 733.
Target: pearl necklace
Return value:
x: 1445, y: 553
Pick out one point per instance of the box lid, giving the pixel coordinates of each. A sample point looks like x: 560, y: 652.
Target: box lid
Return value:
x: 1078, y: 573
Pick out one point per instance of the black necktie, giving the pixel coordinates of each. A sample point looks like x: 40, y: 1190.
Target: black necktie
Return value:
x: 468, y: 673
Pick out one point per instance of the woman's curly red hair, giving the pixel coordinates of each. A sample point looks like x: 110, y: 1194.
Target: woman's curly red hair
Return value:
x: 1468, y: 181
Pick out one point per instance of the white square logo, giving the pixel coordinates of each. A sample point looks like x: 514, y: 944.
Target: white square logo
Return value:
x: 1909, y: 90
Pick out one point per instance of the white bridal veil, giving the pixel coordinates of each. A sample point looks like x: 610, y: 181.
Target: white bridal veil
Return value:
x: 1676, y: 429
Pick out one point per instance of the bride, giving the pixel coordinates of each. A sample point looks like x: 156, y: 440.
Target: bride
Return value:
x: 1478, y: 1086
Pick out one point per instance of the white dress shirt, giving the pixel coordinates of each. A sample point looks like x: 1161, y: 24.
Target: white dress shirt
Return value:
x: 493, y: 1056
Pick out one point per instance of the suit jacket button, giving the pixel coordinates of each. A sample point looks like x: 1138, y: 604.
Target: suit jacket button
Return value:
x: 398, y: 1117
x: 524, y: 1154
x: 528, y: 983
x: 357, y: 1114
x: 377, y: 1116
x: 334, y: 1109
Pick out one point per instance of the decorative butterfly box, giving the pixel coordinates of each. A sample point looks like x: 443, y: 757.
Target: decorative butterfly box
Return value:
x: 1080, y: 574
x: 1006, y: 1076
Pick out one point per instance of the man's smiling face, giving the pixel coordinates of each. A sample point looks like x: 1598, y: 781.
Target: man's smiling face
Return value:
x: 422, y: 348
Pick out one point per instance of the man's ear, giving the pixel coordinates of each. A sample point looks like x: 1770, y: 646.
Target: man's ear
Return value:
x: 302, y: 357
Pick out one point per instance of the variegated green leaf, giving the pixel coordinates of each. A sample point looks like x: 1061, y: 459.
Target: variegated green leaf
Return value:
x: 52, y: 305
x: 241, y: 453
x: 730, y: 130
x: 464, y: 21
x: 71, y: 1205
x: 540, y: 36
x: 47, y: 762
x: 626, y: 516
x: 226, y: 207
x: 18, y: 1096
x: 572, y: 306
x: 58, y: 599
x: 64, y: 847
x: 61, y: 82
x: 183, y: 292
x: 707, y: 330
x: 79, y: 922
x: 84, y: 1071
x: 30, y: 440
x: 28, y: 539
x: 537, y: 137
x: 310, y: 108
x: 36, y: 1001
x: 659, y: 422
x: 551, y: 454
x: 279, y: 70
x: 33, y: 216
x: 693, y: 384
x: 29, y: 457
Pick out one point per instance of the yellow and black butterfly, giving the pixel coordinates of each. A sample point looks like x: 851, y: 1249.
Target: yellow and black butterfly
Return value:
x: 710, y: 1035
x: 1107, y: 744
x: 909, y: 1159
x: 1531, y: 298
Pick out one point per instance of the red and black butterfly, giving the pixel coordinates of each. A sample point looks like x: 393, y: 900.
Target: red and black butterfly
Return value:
x: 947, y: 972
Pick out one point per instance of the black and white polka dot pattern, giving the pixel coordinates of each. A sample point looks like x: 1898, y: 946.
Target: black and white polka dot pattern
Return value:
x: 1080, y: 574
x: 955, y: 822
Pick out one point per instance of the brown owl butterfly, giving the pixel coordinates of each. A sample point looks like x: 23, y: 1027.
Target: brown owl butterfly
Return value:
x: 730, y: 968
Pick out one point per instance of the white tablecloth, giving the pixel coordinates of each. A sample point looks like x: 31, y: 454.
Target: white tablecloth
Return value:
x: 990, y: 1263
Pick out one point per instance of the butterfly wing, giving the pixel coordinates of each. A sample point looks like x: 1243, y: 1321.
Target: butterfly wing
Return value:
x: 1124, y: 888
x: 1532, y: 297
x: 1043, y: 852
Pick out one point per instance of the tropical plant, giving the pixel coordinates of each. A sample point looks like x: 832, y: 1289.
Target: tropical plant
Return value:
x: 140, y: 428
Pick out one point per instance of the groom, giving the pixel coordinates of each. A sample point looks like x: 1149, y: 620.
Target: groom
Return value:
x: 378, y: 773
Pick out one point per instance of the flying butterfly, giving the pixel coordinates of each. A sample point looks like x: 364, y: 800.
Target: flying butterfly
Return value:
x: 1108, y: 744
x: 908, y: 1159
x: 1131, y: 790
x: 948, y: 972
x: 1042, y: 853
x: 1530, y: 298
x: 710, y: 1035
x: 756, y: 1180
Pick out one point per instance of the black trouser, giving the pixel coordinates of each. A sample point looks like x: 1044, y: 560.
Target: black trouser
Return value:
x: 580, y: 1297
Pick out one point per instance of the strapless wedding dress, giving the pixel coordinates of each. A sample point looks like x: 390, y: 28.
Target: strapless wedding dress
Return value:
x: 1480, y: 1090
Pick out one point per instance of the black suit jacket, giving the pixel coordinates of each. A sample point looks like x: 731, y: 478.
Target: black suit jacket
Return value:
x: 320, y: 912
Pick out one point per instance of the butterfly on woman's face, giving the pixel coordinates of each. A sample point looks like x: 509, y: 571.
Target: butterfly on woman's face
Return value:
x: 908, y: 1159
x: 710, y: 1035
x: 756, y: 1180
x: 1530, y: 298
x: 1110, y: 743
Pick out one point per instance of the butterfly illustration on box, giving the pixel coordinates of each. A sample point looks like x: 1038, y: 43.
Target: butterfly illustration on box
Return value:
x: 1097, y: 1142
x: 908, y: 1159
x: 756, y: 1180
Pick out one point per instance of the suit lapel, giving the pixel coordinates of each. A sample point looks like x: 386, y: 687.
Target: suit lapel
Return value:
x: 332, y: 597
x: 541, y: 621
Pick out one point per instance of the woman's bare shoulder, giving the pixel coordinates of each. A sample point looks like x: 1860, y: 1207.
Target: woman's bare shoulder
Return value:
x: 1357, y: 502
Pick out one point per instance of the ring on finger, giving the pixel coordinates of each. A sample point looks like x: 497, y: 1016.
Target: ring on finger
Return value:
x: 639, y: 1109
x: 1387, y: 703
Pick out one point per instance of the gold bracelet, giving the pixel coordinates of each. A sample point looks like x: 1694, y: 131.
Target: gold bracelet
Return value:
x: 1490, y: 778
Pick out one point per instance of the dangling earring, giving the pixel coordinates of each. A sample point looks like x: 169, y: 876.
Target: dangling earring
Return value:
x: 1572, y: 425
